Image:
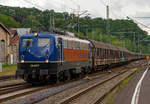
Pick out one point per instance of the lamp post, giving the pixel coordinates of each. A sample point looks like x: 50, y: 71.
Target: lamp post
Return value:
x: 78, y: 18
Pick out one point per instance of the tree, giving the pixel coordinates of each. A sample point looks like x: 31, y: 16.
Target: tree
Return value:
x: 8, y: 21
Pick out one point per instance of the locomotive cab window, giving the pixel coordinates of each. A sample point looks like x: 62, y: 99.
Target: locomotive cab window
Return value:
x: 27, y: 42
x: 43, y: 42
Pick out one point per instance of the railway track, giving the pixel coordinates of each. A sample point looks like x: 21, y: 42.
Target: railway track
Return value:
x: 7, y: 77
x: 13, y: 88
x: 84, y: 91
x: 20, y: 90
x: 13, y: 92
x: 11, y: 84
x: 6, y: 91
x: 10, y: 93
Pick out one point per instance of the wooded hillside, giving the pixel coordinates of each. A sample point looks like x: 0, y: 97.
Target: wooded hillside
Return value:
x: 124, y: 33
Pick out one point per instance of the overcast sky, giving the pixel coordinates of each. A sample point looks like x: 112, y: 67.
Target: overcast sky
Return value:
x: 96, y: 8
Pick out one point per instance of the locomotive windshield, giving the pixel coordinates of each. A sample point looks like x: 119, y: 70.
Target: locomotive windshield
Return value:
x: 43, y: 42
x: 27, y: 42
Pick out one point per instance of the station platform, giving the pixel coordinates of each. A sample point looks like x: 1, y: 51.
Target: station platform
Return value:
x: 137, y: 91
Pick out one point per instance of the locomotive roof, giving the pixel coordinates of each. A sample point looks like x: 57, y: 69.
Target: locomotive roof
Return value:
x: 57, y: 35
x: 74, y: 38
x: 40, y: 34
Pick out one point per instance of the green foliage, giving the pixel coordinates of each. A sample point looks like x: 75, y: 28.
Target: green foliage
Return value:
x: 123, y: 33
x: 30, y: 21
x: 8, y: 69
x: 8, y: 21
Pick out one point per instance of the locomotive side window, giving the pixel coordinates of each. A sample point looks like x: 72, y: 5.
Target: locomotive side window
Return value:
x: 74, y: 45
x: 42, y: 42
x: 81, y: 45
x: 85, y: 48
x: 27, y: 42
x: 78, y: 45
x: 69, y: 44
x: 65, y: 43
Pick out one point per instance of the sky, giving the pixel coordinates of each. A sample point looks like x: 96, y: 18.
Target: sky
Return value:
x: 119, y: 9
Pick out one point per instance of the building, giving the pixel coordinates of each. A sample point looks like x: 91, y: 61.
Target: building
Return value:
x: 4, y: 44
x: 14, y: 46
x: 9, y: 43
x: 14, y: 42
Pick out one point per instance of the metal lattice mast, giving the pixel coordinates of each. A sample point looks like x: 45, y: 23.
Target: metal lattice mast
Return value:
x: 108, y: 23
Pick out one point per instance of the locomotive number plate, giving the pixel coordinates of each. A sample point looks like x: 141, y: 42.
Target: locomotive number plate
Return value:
x: 34, y: 65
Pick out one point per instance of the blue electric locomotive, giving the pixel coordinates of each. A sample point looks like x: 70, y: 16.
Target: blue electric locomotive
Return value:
x: 44, y: 57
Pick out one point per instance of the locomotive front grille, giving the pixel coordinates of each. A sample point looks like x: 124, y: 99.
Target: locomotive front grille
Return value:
x: 40, y: 68
x: 34, y: 65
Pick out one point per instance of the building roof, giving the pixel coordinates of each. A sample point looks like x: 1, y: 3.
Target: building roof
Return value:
x: 13, y: 32
x: 22, y: 31
x: 14, y: 40
x: 1, y: 25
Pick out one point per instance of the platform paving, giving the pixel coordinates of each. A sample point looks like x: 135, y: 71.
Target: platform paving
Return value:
x: 125, y: 96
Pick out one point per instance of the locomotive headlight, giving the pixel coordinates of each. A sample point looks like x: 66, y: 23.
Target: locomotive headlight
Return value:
x: 22, y: 61
x: 46, y: 60
x: 35, y: 34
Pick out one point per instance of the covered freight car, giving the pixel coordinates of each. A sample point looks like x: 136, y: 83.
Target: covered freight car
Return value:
x: 104, y: 55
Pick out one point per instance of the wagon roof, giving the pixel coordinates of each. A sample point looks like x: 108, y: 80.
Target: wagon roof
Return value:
x: 102, y: 45
x: 107, y: 46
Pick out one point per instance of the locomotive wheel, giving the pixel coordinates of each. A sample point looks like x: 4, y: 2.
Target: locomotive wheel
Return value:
x: 60, y: 77
x: 80, y: 75
x: 68, y: 75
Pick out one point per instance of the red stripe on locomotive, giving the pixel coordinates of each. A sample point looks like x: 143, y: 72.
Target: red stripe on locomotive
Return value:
x: 75, y: 49
x: 75, y: 55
